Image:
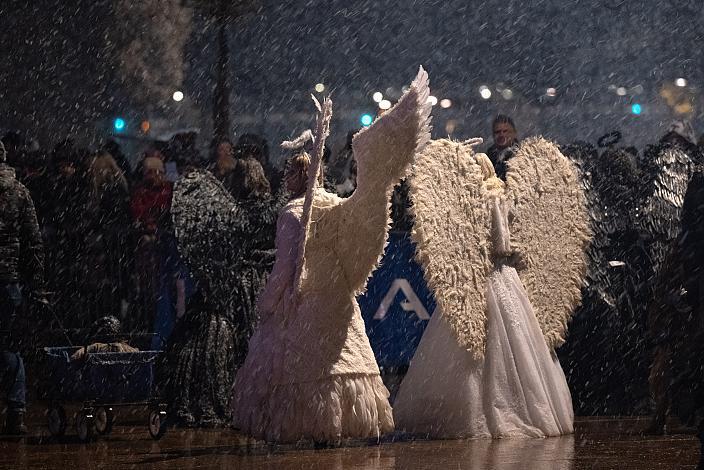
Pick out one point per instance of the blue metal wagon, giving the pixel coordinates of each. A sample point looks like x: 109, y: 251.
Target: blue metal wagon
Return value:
x: 101, y: 381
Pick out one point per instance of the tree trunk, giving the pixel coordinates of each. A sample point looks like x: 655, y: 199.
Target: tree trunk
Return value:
x: 221, y: 93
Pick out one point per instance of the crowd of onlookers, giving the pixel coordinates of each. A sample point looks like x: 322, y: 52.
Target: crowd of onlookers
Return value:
x: 105, y: 223
x: 110, y: 250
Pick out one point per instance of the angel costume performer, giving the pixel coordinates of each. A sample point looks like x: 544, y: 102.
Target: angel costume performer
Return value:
x: 486, y: 366
x: 310, y: 372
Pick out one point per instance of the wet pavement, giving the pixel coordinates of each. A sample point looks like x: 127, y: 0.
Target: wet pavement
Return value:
x: 598, y: 443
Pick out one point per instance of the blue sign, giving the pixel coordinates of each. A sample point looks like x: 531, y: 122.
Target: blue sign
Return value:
x: 397, y: 304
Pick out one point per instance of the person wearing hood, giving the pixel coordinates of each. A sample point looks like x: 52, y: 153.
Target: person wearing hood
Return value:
x: 21, y: 267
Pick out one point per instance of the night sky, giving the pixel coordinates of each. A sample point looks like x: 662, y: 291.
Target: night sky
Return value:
x: 60, y: 74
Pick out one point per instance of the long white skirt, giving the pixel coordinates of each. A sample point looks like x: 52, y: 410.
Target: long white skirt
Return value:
x: 517, y: 390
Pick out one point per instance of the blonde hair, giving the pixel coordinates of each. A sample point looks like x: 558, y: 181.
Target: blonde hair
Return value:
x: 104, y: 171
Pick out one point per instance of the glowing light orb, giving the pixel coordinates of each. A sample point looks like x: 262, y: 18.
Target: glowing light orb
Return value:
x: 366, y: 120
x: 485, y: 92
x: 384, y: 104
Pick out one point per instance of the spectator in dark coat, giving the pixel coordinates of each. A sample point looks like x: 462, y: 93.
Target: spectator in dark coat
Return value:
x: 149, y: 204
x: 681, y: 319
x: 21, y: 263
x: 505, y: 143
x: 107, y: 238
x: 65, y: 232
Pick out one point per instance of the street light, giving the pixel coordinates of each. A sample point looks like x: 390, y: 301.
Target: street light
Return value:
x: 119, y: 124
x: 384, y: 104
x: 485, y: 92
x: 178, y: 95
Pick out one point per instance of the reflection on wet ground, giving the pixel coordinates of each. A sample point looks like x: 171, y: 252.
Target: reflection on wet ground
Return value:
x: 598, y: 443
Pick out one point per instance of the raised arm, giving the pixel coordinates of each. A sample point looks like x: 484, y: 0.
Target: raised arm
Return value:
x: 383, y: 153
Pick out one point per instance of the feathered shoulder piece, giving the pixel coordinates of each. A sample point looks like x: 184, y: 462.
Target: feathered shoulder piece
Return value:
x: 550, y: 228
x: 299, y: 142
x: 452, y: 232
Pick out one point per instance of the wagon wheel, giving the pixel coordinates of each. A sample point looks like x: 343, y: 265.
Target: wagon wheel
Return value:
x: 85, y: 425
x: 104, y: 419
x: 56, y: 420
x: 157, y: 423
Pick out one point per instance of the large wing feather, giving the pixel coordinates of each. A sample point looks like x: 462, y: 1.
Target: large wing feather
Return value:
x: 550, y: 228
x: 452, y: 232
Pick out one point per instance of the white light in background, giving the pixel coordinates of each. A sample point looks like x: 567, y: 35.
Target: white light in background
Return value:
x: 178, y: 95
x: 319, y: 87
x: 621, y: 91
x: 551, y: 91
x: 384, y: 104
x: 485, y: 92
x: 445, y: 103
x: 681, y: 82
x: 507, y: 93
x: 432, y: 100
x: 377, y: 97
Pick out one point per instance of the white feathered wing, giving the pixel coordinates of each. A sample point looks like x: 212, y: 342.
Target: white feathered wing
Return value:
x: 452, y: 232
x: 550, y: 229
x: 357, y: 226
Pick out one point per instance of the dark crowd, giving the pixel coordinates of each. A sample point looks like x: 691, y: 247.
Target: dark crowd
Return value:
x: 88, y: 249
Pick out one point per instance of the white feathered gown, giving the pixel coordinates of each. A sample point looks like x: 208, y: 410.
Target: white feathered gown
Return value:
x: 310, y: 372
x: 517, y: 390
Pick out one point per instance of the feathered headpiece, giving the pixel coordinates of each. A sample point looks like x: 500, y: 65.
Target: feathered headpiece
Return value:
x: 299, y: 142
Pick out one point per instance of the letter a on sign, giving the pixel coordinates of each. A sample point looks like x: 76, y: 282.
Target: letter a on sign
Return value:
x: 411, y: 304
